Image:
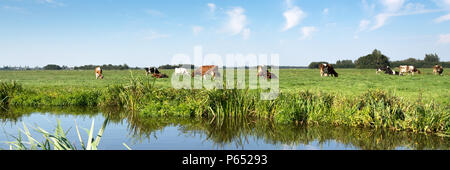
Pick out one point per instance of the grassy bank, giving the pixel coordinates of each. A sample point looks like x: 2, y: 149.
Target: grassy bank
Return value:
x: 374, y: 108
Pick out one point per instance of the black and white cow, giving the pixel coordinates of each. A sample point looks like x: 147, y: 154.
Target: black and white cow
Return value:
x: 389, y: 71
x: 151, y: 70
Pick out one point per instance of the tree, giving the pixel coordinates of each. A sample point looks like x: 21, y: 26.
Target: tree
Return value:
x: 432, y: 58
x: 374, y: 60
x: 316, y: 64
x: 52, y: 67
x: 344, y: 64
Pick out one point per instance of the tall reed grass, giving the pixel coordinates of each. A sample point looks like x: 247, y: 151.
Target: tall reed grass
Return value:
x: 56, y: 140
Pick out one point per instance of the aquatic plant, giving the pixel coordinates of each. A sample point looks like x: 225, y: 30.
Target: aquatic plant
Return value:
x: 7, y: 91
x: 57, y: 140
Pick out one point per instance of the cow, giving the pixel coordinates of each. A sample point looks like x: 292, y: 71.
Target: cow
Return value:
x: 98, y: 73
x: 263, y: 72
x: 327, y: 70
x: 437, y: 69
x: 181, y: 71
x: 159, y: 76
x: 382, y: 69
x: 151, y: 70
x: 408, y: 69
x: 390, y: 71
x: 207, y: 70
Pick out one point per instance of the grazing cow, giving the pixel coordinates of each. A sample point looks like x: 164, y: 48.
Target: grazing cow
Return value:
x: 391, y: 72
x: 152, y: 70
x: 437, y: 69
x: 382, y: 69
x: 263, y: 72
x: 159, y: 76
x: 327, y: 70
x: 181, y: 71
x: 207, y: 70
x: 98, y: 73
x: 408, y: 69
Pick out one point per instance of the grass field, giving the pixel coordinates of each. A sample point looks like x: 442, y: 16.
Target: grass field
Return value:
x: 351, y: 82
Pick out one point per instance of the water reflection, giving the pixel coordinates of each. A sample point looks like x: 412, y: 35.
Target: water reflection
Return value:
x: 242, y: 132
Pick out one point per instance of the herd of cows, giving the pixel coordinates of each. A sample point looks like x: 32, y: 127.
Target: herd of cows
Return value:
x: 325, y: 70
x: 437, y: 69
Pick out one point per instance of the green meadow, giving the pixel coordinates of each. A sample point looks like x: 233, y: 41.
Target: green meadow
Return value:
x: 351, y: 82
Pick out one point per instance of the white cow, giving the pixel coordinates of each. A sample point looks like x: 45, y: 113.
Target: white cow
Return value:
x: 181, y: 71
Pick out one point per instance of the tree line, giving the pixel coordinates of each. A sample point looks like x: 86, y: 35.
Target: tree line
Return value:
x: 376, y: 59
x: 371, y: 61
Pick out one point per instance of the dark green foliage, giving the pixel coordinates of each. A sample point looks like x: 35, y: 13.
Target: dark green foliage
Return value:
x: 7, y: 92
x: 104, y: 67
x: 344, y: 64
x: 314, y: 65
x: 52, y: 67
x: 167, y: 66
x: 429, y: 61
x: 373, y: 61
x: 431, y: 58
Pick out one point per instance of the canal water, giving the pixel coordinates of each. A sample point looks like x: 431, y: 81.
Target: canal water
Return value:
x: 214, y: 134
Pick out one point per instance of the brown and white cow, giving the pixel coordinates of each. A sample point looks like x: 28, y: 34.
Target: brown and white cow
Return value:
x: 207, y: 70
x: 98, y: 73
x: 408, y: 69
x: 437, y: 69
x: 263, y: 72
x: 327, y: 70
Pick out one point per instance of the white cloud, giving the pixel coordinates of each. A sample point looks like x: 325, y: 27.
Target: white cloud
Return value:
x: 307, y: 32
x: 212, y: 7
x: 394, y: 8
x: 364, y: 24
x: 444, y: 38
x: 442, y: 18
x: 393, y: 5
x: 236, y: 20
x: 197, y: 29
x: 380, y: 20
x: 443, y: 3
x: 293, y: 17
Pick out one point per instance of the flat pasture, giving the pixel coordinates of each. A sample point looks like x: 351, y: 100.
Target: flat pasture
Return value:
x: 351, y: 82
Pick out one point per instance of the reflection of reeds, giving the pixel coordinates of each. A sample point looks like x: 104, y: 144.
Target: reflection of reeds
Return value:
x: 240, y: 131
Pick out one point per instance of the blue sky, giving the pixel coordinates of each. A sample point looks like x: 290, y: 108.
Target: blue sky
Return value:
x: 149, y: 32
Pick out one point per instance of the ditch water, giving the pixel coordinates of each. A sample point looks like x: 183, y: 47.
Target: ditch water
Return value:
x: 194, y: 134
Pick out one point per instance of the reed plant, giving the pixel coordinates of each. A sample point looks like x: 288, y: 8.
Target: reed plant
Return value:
x: 57, y: 140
